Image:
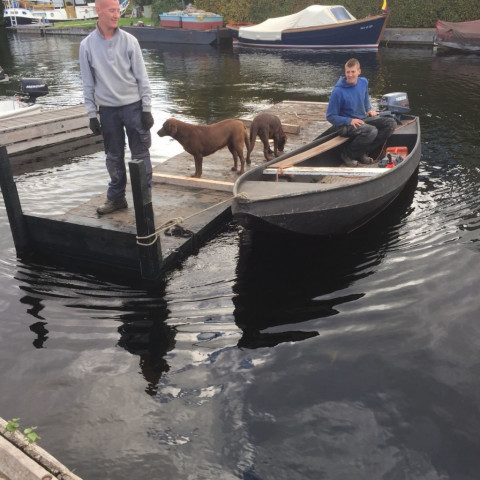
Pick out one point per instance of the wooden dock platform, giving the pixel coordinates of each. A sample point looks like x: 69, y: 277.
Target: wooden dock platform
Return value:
x: 20, y: 459
x: 134, y: 240
x: 25, y: 135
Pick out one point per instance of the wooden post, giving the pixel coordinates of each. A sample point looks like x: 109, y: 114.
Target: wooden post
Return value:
x: 149, y: 249
x: 12, y: 203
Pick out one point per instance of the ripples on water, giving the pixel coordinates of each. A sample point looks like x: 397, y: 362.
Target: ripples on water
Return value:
x: 260, y: 358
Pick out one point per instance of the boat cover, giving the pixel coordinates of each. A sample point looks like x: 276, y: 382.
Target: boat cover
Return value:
x: 462, y: 35
x: 312, y: 16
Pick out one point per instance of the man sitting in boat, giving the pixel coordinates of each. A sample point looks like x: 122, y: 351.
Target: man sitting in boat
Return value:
x: 350, y: 111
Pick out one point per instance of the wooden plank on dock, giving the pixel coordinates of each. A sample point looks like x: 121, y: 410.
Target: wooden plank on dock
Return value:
x: 192, y: 182
x: 20, y: 459
x: 44, y: 128
x: 287, y: 127
x: 200, y: 206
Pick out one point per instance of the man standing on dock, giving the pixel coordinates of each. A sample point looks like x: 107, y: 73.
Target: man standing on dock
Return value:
x: 115, y: 78
x: 349, y: 109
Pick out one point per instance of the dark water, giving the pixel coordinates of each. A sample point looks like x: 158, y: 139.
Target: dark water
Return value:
x: 260, y: 357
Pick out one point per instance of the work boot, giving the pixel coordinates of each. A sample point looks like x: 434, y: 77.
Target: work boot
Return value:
x: 365, y: 159
x: 111, y: 205
x: 349, y: 162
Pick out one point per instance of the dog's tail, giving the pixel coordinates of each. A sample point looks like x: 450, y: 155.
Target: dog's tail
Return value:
x: 250, y: 140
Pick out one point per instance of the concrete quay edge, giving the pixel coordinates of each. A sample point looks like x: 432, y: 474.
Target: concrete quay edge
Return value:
x: 408, y: 36
x: 391, y: 36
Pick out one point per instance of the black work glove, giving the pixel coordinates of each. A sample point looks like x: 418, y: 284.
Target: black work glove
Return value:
x: 147, y: 120
x: 95, y: 126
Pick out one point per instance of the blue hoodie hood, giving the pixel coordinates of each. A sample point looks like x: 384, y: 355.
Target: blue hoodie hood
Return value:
x: 348, y: 101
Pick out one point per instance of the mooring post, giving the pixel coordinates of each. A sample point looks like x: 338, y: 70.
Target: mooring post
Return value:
x: 149, y: 247
x: 12, y: 203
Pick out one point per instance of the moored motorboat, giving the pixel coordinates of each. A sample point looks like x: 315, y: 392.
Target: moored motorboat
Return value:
x: 459, y: 36
x: 28, y: 12
x: 12, y: 107
x: 190, y: 27
x: 177, y: 36
x: 24, y: 102
x: 319, y: 27
x: 309, y: 191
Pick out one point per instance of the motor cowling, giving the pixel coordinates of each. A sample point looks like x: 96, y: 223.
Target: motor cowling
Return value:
x: 33, y: 88
x: 396, y: 103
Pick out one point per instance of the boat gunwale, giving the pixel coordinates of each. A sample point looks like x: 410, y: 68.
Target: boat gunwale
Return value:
x: 339, y: 188
x: 335, y: 25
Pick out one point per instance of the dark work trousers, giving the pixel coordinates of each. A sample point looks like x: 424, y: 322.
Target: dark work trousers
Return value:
x: 368, y: 137
x: 115, y: 122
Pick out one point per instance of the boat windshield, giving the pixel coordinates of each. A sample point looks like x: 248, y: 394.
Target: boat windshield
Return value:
x: 340, y: 14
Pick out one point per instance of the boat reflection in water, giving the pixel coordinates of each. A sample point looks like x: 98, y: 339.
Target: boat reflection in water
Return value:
x: 288, y: 287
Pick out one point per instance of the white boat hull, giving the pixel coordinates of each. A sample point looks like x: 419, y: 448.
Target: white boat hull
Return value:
x: 12, y: 108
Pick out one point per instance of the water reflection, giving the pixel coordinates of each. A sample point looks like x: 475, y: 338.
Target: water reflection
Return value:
x: 291, y: 279
x: 141, y: 316
x: 150, y: 338
x: 61, y: 71
x: 369, y: 365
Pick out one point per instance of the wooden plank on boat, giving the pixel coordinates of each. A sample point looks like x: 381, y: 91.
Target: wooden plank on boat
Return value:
x: 192, y: 182
x: 356, y: 171
x: 323, y: 147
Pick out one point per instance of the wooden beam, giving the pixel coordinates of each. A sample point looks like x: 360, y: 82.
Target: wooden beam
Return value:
x: 47, y: 140
x: 312, y: 152
x: 192, y: 182
x: 12, y: 204
x: 47, y: 127
x: 149, y: 248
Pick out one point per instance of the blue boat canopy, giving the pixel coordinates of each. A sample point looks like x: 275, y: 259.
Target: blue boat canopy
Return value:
x: 312, y: 16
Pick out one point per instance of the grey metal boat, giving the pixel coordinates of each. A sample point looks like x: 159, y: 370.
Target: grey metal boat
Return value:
x: 309, y: 191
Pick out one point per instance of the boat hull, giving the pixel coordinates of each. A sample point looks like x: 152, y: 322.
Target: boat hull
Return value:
x: 12, y: 108
x: 174, y: 35
x: 358, y: 34
x: 28, y: 17
x: 458, y: 36
x: 319, y: 210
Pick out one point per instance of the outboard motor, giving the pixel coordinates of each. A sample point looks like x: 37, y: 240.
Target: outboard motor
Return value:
x: 32, y: 88
x: 394, y: 104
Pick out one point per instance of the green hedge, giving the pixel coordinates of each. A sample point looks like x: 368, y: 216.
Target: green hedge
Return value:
x: 403, y: 13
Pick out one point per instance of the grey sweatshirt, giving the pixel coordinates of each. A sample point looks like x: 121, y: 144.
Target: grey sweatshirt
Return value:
x: 113, y: 72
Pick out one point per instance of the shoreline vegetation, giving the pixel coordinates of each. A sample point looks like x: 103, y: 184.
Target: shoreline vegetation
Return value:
x: 401, y: 14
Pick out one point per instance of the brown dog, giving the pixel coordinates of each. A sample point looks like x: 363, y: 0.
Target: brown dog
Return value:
x: 203, y: 140
x: 266, y: 126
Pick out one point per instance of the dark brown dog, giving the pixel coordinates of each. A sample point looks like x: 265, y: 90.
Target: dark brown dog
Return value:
x: 266, y: 126
x: 203, y: 140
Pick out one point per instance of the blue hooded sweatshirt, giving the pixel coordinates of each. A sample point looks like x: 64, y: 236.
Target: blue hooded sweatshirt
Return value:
x: 348, y: 101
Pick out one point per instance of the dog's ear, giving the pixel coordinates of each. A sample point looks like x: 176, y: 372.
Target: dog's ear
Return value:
x: 172, y: 126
